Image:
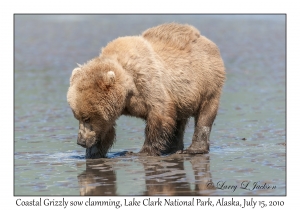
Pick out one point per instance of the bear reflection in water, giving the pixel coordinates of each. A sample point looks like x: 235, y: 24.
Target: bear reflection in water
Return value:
x: 164, y: 176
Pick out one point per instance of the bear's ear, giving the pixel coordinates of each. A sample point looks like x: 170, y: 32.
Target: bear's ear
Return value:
x: 110, y: 78
x: 74, y: 72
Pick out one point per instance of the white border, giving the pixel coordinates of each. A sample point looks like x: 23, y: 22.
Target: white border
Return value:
x: 187, y: 6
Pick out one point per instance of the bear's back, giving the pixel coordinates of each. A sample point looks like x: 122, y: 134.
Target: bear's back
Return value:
x: 172, y: 35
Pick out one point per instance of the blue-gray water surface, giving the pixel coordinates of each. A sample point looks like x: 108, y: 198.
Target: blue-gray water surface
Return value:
x: 248, y: 141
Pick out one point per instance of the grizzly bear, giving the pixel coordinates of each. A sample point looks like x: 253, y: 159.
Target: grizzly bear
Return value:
x: 164, y: 76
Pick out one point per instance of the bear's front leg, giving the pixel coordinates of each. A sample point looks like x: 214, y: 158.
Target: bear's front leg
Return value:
x: 159, y: 133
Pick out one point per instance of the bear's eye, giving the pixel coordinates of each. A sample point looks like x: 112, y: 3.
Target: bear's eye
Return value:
x: 87, y: 120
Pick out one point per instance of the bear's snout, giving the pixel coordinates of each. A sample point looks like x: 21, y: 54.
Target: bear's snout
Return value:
x: 86, y: 139
x: 81, y: 141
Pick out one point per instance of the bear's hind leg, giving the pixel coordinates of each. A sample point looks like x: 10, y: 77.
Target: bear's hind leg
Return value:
x: 203, y: 124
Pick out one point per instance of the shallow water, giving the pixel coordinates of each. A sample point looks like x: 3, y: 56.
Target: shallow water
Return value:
x: 248, y: 140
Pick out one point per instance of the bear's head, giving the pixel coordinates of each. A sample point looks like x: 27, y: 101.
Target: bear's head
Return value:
x: 97, y: 98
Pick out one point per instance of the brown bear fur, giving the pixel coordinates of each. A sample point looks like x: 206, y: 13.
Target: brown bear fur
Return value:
x: 164, y: 76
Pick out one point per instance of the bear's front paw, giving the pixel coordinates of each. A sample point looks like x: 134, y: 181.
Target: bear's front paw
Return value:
x: 179, y: 152
x: 147, y: 151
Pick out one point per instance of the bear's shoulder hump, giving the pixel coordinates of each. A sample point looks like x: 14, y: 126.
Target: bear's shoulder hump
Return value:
x: 173, y: 34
